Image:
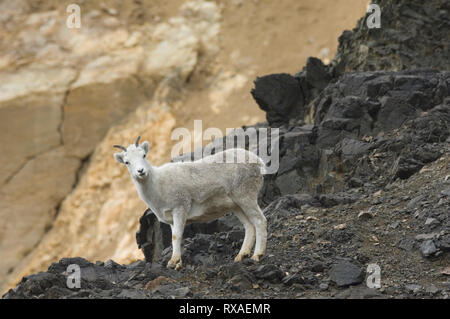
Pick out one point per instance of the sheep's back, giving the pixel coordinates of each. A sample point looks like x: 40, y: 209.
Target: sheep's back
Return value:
x: 211, y: 175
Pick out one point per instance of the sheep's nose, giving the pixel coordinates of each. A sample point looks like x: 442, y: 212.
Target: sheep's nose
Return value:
x: 140, y: 171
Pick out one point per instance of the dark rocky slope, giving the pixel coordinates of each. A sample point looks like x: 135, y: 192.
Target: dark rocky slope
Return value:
x: 401, y: 118
x: 364, y: 179
x: 414, y: 34
x: 313, y: 251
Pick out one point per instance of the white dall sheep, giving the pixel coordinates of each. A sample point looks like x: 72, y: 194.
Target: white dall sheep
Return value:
x: 185, y: 192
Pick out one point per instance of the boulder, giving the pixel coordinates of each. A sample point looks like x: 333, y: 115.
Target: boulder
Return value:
x: 345, y: 273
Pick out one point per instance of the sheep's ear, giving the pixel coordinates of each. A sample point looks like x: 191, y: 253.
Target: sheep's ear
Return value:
x: 118, y: 157
x: 145, y: 146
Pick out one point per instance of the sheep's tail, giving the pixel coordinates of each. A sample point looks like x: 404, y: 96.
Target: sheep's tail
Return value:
x: 259, y: 161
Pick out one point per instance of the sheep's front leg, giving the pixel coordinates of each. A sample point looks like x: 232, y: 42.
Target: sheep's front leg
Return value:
x: 179, y: 221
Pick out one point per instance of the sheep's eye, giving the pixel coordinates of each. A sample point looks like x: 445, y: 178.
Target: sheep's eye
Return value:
x: 126, y: 163
x: 144, y: 155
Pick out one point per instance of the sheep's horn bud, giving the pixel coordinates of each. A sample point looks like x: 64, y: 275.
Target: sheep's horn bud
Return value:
x: 137, y: 141
x: 121, y: 147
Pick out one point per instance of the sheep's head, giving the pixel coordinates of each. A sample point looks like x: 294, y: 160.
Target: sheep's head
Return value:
x: 134, y: 158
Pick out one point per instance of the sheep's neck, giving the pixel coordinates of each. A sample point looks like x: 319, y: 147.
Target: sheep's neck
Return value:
x: 147, y: 189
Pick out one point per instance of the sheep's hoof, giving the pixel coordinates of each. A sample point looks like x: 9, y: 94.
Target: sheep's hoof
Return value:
x: 178, y: 265
x: 239, y: 257
x: 175, y: 263
x: 256, y: 257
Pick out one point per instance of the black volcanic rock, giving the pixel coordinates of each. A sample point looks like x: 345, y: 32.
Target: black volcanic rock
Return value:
x: 317, y: 74
x: 345, y: 273
x: 414, y: 34
x: 353, y: 121
x: 281, y: 96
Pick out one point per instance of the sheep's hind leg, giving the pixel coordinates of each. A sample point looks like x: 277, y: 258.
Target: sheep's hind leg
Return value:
x: 260, y: 222
x: 179, y: 221
x: 249, y: 239
x: 257, y: 218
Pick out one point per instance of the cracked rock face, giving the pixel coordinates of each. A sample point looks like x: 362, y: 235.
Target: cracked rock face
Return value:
x: 61, y: 92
